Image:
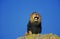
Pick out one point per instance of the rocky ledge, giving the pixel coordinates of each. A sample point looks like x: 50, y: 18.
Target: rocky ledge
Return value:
x: 40, y: 36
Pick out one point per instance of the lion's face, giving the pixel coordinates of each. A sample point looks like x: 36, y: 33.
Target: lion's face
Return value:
x: 35, y: 18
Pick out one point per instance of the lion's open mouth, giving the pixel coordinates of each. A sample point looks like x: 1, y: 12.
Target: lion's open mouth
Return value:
x: 36, y: 18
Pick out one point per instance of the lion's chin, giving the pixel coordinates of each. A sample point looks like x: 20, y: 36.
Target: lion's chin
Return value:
x: 36, y: 22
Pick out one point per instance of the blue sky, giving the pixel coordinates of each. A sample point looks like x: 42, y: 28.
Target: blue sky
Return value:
x: 15, y: 16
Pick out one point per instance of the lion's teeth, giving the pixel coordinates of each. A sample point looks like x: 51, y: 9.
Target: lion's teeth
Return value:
x: 35, y: 18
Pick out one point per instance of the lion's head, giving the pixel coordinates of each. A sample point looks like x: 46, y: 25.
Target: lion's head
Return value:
x: 35, y: 18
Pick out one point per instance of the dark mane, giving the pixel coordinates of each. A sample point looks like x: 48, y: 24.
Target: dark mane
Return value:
x: 34, y: 28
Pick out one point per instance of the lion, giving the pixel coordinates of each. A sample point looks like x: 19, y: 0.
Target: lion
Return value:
x: 34, y: 24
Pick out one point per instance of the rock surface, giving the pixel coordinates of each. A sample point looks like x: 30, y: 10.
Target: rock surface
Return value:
x: 40, y: 36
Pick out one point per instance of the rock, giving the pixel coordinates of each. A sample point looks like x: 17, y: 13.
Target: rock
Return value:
x: 40, y: 36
